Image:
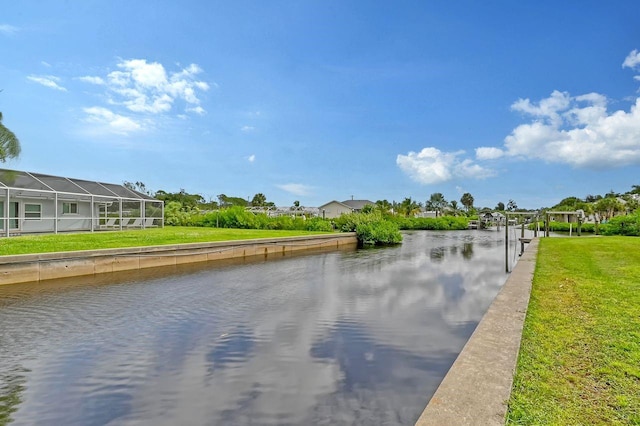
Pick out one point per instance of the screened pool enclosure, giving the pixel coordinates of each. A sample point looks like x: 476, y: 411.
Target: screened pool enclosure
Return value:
x: 37, y: 203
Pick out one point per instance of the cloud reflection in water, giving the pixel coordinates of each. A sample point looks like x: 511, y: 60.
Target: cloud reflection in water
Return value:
x: 358, y: 337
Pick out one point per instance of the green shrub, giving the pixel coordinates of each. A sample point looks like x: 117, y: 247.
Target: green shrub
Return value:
x: 564, y: 227
x: 237, y: 217
x: 444, y: 223
x: 318, y: 224
x: 378, y: 232
x: 370, y: 228
x: 174, y: 215
x: 623, y: 225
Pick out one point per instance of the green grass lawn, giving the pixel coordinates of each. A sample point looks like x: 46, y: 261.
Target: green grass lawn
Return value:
x: 579, y: 361
x: 133, y: 238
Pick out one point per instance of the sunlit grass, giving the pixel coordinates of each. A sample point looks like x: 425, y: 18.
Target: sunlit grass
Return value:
x: 579, y: 360
x: 133, y: 238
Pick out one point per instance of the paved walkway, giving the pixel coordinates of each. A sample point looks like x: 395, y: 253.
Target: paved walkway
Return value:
x: 476, y: 389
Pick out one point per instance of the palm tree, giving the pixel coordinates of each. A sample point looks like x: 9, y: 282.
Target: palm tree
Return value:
x: 9, y: 143
x: 454, y: 208
x: 436, y: 202
x: 608, y: 207
x: 467, y: 201
x: 408, y: 207
x: 383, y: 206
x: 259, y: 200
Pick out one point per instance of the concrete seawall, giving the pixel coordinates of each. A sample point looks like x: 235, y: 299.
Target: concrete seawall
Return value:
x: 477, y: 388
x: 47, y: 266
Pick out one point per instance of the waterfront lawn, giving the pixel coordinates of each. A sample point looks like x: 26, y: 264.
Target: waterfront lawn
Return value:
x: 579, y: 360
x: 133, y: 238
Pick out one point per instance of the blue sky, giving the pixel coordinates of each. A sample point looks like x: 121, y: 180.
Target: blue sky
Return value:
x: 322, y: 100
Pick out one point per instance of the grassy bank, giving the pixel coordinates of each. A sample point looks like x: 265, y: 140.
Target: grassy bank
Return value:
x: 579, y: 360
x: 133, y: 238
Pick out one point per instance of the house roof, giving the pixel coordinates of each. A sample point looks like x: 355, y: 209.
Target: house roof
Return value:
x: 357, y: 204
x: 349, y: 204
x: 37, y: 183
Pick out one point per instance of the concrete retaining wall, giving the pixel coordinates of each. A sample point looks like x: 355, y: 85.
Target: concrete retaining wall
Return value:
x: 47, y: 266
x: 477, y: 388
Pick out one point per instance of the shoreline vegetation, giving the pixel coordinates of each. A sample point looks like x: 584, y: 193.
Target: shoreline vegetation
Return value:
x: 371, y: 228
x: 580, y: 351
x: 628, y: 225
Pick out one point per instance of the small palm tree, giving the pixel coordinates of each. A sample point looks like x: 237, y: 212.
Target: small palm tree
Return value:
x: 454, y: 209
x: 9, y: 143
x: 408, y: 207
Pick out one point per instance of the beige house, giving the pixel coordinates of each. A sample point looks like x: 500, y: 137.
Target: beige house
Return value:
x: 335, y: 208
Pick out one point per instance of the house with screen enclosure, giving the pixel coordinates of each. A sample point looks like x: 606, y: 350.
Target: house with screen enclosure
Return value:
x: 37, y: 203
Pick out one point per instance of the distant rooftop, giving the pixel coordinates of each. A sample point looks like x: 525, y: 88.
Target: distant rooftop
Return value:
x: 357, y: 204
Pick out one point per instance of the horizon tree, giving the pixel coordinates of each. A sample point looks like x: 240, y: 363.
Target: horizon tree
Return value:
x: 500, y: 206
x: 259, y: 200
x: 186, y: 200
x: 136, y: 186
x: 9, y: 143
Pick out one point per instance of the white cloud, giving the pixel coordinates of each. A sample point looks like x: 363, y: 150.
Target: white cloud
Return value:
x: 252, y: 158
x: 110, y: 122
x: 93, y: 80
x: 198, y: 110
x: 488, y: 153
x: 632, y: 60
x: 547, y: 109
x: 49, y: 81
x: 581, y: 133
x: 147, y: 87
x: 431, y: 166
x: 45, y: 64
x: 296, y: 188
x: 8, y: 29
x: 247, y: 129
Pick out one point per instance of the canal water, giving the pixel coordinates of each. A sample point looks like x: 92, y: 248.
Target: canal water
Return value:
x: 343, y: 337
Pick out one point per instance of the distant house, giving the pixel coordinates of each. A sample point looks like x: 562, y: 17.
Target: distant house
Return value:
x: 426, y: 213
x: 567, y: 216
x: 334, y: 208
x: 37, y: 203
x: 493, y: 218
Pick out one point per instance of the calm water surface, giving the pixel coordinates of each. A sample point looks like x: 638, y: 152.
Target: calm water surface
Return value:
x: 345, y: 337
